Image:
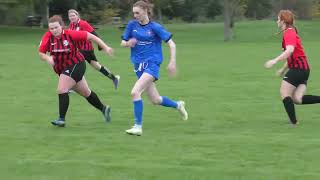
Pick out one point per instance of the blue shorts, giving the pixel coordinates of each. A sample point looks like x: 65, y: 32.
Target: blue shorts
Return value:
x: 147, y: 67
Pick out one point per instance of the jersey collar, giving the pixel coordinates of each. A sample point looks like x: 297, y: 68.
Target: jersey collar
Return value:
x: 144, y: 24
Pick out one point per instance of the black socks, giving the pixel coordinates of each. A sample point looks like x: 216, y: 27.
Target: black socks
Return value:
x: 289, y: 106
x: 107, y: 73
x: 63, y: 105
x: 310, y: 99
x: 95, y: 101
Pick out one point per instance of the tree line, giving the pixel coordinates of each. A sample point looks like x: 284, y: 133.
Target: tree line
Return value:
x: 166, y: 11
x: 19, y: 12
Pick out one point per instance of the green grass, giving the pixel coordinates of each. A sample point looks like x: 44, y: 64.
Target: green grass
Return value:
x: 237, y: 129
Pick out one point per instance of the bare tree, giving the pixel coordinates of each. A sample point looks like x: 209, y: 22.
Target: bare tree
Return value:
x: 44, y: 12
x: 232, y: 9
x: 227, y: 20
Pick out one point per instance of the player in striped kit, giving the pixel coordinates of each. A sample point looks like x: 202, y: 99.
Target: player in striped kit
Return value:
x: 70, y: 65
x: 296, y: 68
x: 86, y: 47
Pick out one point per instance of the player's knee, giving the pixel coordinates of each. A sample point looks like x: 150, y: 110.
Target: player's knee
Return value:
x: 297, y: 99
x: 135, y: 93
x: 156, y: 100
x: 62, y: 90
x: 95, y: 65
x: 85, y: 94
x: 285, y: 94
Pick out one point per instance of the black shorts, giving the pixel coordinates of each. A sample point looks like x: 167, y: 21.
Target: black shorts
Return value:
x: 297, y: 77
x: 76, y: 72
x: 89, y: 55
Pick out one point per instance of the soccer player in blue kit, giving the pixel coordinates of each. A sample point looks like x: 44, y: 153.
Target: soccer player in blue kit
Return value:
x: 144, y: 37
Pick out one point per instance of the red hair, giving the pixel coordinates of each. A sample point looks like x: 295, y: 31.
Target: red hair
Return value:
x: 287, y: 17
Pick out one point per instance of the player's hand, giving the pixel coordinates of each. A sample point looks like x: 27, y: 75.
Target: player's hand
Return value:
x: 50, y: 61
x: 172, y: 69
x: 280, y: 72
x: 132, y: 42
x: 109, y: 51
x: 270, y: 63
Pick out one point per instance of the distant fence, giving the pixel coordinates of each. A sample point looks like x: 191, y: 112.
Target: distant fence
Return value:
x: 33, y: 21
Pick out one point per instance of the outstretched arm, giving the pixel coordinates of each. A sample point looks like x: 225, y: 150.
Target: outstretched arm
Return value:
x: 96, y: 34
x: 100, y: 43
x: 289, y: 50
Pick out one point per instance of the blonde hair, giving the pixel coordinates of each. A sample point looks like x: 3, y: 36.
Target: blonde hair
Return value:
x: 74, y: 11
x: 145, y: 5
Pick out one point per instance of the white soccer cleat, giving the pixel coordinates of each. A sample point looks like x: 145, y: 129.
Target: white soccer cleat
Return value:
x: 182, y: 110
x: 116, y: 81
x: 135, y: 130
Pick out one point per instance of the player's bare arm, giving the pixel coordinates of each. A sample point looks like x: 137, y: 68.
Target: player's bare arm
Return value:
x: 46, y: 58
x: 289, y: 50
x: 172, y: 64
x: 100, y: 43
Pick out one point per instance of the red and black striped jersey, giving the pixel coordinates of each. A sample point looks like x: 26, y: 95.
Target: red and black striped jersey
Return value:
x: 63, y: 49
x: 298, y: 59
x: 83, y: 25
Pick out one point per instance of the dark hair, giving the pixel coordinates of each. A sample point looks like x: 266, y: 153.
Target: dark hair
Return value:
x: 56, y: 18
x: 145, y: 5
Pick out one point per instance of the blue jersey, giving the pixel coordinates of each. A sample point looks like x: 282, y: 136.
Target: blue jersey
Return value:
x: 149, y: 37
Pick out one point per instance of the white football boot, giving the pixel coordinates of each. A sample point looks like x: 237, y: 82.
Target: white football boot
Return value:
x: 135, y: 130
x: 182, y: 110
x: 116, y: 81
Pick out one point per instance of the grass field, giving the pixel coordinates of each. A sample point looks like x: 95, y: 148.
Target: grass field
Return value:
x: 237, y: 128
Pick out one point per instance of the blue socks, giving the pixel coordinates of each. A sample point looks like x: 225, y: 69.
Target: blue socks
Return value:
x: 168, y: 102
x: 138, y: 109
